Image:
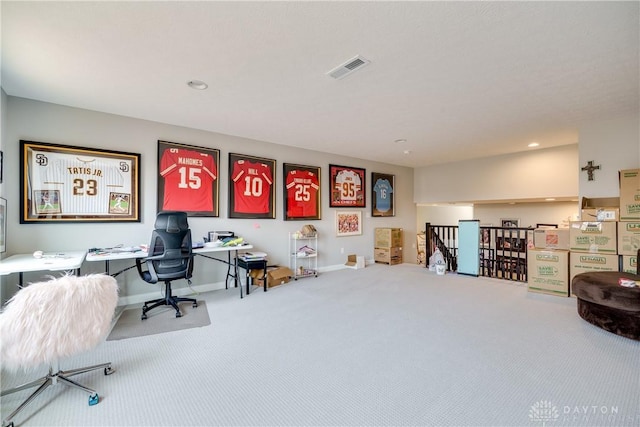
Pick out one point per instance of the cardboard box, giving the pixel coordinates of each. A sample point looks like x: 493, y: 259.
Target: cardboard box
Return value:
x: 593, y: 237
x: 354, y: 261
x: 551, y: 238
x: 582, y: 262
x: 278, y: 276
x: 630, y: 195
x: 388, y: 237
x: 628, y: 238
x: 548, y: 272
x: 275, y: 276
x: 600, y: 209
x: 629, y: 264
x: 389, y: 256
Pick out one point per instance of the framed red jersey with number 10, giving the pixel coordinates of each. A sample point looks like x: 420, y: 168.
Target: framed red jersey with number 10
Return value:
x: 251, y: 187
x: 301, y: 192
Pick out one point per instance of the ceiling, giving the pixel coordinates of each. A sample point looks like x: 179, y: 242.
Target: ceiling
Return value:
x: 456, y: 80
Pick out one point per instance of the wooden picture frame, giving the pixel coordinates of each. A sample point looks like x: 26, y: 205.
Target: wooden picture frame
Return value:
x: 347, y: 187
x: 383, y: 194
x: 252, y: 187
x: 188, y: 179
x: 348, y: 223
x: 301, y: 192
x: 509, y: 222
x: 3, y: 225
x: 64, y: 183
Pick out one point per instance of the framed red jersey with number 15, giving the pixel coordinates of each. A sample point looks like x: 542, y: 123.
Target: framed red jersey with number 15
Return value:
x: 188, y: 179
x: 301, y: 192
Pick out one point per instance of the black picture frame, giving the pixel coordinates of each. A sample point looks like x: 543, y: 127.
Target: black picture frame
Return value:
x: 347, y: 187
x: 77, y: 184
x: 301, y: 192
x: 188, y: 179
x: 3, y: 225
x: 248, y: 177
x: 383, y: 194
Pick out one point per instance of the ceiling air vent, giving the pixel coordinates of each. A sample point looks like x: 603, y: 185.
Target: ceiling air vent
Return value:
x: 348, y: 67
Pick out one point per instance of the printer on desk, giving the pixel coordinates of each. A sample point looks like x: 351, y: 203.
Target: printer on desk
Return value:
x: 219, y: 235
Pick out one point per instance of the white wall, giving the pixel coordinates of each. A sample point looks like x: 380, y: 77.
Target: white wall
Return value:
x: 529, y: 214
x: 614, y: 145
x: 543, y: 173
x: 442, y: 215
x: 38, y: 121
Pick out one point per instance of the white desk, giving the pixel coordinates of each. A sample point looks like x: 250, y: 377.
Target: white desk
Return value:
x: 58, y: 261
x: 206, y: 252
x: 112, y: 256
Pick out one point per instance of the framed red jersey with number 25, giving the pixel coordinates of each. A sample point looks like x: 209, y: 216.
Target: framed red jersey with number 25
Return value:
x: 301, y: 192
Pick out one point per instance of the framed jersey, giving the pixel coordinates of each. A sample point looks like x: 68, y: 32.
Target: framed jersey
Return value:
x: 301, y: 192
x: 347, y: 187
x: 62, y: 183
x: 252, y: 192
x: 382, y: 194
x: 188, y: 179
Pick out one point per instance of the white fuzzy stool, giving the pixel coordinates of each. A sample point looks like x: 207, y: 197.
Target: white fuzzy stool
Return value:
x: 47, y: 321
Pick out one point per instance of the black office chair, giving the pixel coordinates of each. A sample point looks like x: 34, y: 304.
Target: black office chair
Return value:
x: 170, y: 257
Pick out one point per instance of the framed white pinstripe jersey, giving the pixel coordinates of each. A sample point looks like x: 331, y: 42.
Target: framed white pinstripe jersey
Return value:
x: 66, y: 183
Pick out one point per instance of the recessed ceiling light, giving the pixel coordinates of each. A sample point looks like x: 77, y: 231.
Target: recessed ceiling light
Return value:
x: 533, y: 145
x: 400, y: 141
x: 550, y: 199
x: 197, y: 84
x: 407, y: 151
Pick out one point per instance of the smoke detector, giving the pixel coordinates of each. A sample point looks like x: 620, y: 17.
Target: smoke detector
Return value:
x: 343, y: 70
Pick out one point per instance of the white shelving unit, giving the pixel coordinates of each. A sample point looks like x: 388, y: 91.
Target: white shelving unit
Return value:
x: 303, y: 255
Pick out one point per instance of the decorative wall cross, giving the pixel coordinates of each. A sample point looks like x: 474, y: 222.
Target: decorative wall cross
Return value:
x: 590, y: 168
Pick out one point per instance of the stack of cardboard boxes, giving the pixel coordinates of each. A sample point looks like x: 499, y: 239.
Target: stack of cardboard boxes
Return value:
x: 606, y: 238
x: 388, y: 246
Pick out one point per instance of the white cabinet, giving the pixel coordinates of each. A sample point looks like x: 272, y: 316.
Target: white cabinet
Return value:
x: 303, y: 255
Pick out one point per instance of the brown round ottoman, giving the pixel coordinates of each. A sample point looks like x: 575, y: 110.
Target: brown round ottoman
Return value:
x: 606, y: 304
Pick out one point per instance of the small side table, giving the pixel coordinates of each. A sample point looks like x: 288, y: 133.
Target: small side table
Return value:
x: 260, y: 264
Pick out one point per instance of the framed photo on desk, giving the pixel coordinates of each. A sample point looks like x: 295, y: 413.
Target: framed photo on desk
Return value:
x: 62, y: 183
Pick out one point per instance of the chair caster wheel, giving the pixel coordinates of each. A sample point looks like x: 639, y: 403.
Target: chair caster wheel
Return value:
x: 194, y: 305
x: 94, y: 399
x: 109, y: 370
x: 178, y: 314
x: 143, y: 317
x: 7, y: 425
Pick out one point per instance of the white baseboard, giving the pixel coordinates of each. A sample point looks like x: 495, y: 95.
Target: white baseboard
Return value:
x: 207, y: 287
x: 183, y: 291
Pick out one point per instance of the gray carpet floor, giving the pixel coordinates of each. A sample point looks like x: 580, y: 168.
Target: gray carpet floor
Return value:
x: 383, y: 346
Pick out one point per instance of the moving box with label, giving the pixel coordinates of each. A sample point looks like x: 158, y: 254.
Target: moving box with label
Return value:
x: 630, y: 195
x: 630, y: 264
x: 593, y: 237
x: 388, y: 238
x: 600, y: 209
x: 551, y: 238
x: 580, y: 262
x: 548, y: 272
x: 628, y: 238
